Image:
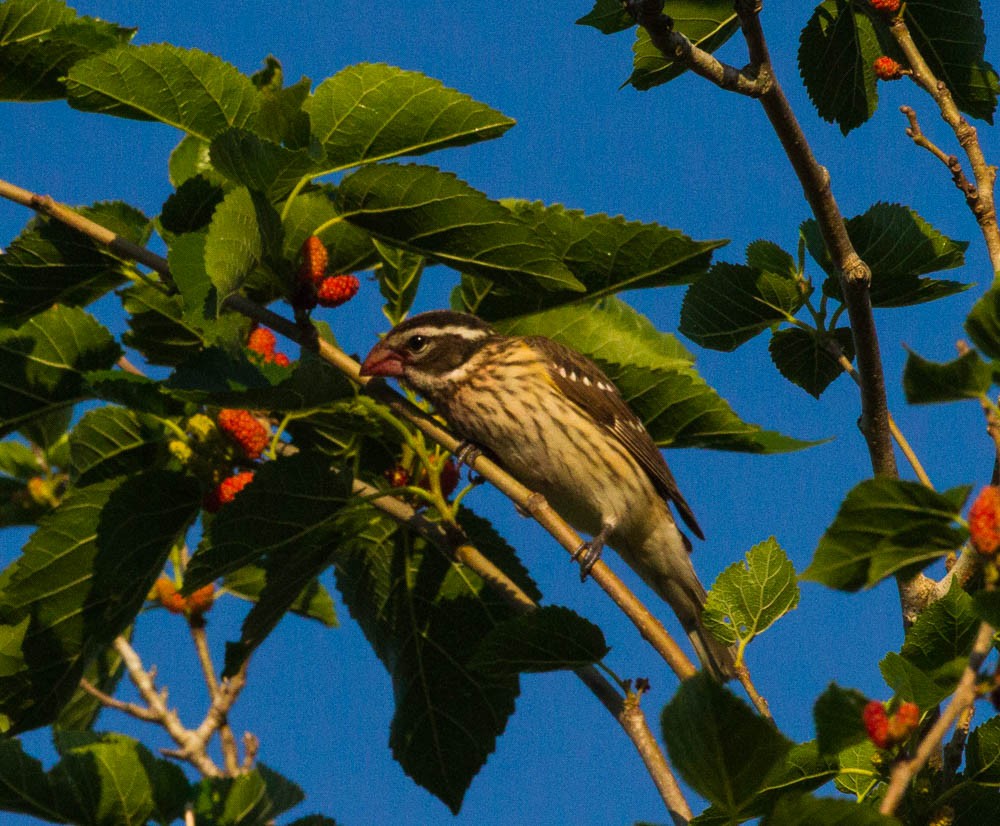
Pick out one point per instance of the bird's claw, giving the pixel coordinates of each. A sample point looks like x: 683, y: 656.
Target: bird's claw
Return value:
x: 466, y: 454
x: 587, y: 555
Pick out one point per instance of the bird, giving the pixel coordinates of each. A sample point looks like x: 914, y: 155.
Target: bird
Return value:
x: 552, y: 419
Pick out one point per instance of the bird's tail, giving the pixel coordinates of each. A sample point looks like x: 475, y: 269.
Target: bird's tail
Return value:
x: 664, y: 563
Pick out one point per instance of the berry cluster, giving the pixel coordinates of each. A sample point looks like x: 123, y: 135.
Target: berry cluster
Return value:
x: 315, y: 286
x: 399, y: 476
x: 984, y: 521
x: 194, y: 606
x: 886, y: 730
x: 264, y: 343
x: 225, y: 492
x: 249, y: 434
x: 886, y: 68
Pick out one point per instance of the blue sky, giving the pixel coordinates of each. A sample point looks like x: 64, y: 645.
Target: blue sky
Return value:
x: 686, y: 155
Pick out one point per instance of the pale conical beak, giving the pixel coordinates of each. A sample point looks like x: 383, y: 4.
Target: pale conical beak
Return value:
x: 382, y: 361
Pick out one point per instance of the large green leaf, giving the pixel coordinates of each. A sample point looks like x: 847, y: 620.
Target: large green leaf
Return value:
x: 372, y: 112
x: 51, y: 263
x: 803, y: 810
x: 943, y: 632
x: 313, y: 602
x: 608, y: 17
x: 982, y: 753
x: 721, y: 748
x: 548, y: 639
x: 951, y: 37
x: 839, y: 721
x: 435, y: 214
x: 656, y: 376
x: 425, y: 619
x: 186, y: 88
x: 983, y: 323
x: 101, y: 780
x: 261, y: 165
x: 914, y: 685
x: 899, y: 246
x: 885, y: 526
x: 836, y: 51
x: 41, y: 363
x: 748, y: 598
x: 83, y: 577
x: 157, y: 327
x: 256, y: 798
x: 706, y: 23
x: 244, y: 232
x: 607, y: 255
x: 349, y: 248
x: 41, y: 39
x: 732, y: 303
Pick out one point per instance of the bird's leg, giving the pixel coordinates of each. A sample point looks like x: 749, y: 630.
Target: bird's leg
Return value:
x: 589, y: 552
x: 466, y: 454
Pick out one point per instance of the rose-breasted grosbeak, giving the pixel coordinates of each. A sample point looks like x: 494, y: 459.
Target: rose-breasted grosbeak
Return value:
x: 559, y: 425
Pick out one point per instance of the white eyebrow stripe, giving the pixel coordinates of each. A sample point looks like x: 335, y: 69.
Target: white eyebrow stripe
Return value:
x: 468, y: 333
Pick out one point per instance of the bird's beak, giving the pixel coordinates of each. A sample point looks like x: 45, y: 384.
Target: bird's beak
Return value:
x: 382, y: 361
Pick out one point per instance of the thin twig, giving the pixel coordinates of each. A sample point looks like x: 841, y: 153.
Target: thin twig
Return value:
x: 965, y: 695
x: 980, y: 198
x: 227, y: 740
x: 132, y: 709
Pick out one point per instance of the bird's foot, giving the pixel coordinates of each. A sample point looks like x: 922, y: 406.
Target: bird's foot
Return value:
x: 587, y: 555
x: 466, y: 454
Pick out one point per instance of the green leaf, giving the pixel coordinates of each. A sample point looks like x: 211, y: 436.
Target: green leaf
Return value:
x: 372, y: 112
x: 41, y: 39
x: 732, y: 303
x: 983, y: 323
x: 952, y: 39
x: 398, y: 278
x: 281, y: 117
x: 838, y: 716
x: 191, y: 207
x: 261, y: 165
x: 252, y: 799
x: 748, y: 598
x: 41, y: 363
x: 51, y: 263
x: 982, y: 753
x: 291, y: 506
x: 26, y: 788
x: 706, y: 23
x: 928, y: 382
x: 836, y: 51
x: 82, y: 578
x: 767, y: 256
x: 190, y: 158
x: 912, y: 684
x: 113, y: 441
x: 349, y: 248
x: 607, y: 16
x: 548, y: 639
x: 314, y: 600
x: 425, y: 618
x: 943, y: 632
x: 112, y: 779
x: 885, y: 526
x: 654, y: 372
x: 803, y: 810
x: 987, y: 606
x: 804, y: 357
x: 238, y: 240
x: 858, y: 773
x: 899, y: 246
x: 607, y: 255
x: 186, y: 88
x: 433, y: 213
x: 157, y: 327
x: 18, y: 460
x: 104, y: 672
x: 721, y: 748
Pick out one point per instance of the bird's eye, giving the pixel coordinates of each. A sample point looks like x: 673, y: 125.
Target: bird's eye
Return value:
x: 416, y: 343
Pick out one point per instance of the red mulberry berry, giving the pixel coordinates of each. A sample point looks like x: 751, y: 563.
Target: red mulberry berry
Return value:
x: 282, y: 360
x: 166, y: 593
x: 198, y: 602
x: 225, y: 492
x: 337, y: 289
x: 904, y: 722
x: 887, y: 69
x: 245, y: 430
x: 886, y: 6
x: 314, y: 260
x: 876, y: 724
x: 984, y: 521
x: 262, y: 341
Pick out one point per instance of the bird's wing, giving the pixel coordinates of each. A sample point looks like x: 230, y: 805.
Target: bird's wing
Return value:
x: 583, y: 383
